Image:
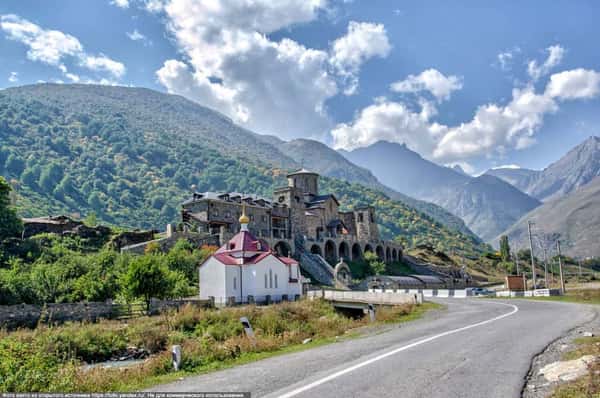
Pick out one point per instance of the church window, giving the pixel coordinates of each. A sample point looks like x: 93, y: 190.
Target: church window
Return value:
x: 265, y: 280
x: 232, y: 246
x: 275, y: 281
x: 360, y: 217
x: 216, y: 213
x: 371, y: 217
x: 234, y: 283
x: 281, y: 199
x: 270, y: 279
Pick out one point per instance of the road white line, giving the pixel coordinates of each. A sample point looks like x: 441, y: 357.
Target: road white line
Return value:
x: 395, y: 351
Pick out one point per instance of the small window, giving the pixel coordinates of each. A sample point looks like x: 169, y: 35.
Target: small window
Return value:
x: 228, y: 214
x: 297, y: 199
x: 265, y: 281
x: 371, y: 217
x: 216, y: 213
x: 270, y: 279
x: 281, y: 199
x: 275, y: 281
x: 234, y: 283
x: 232, y: 246
x: 264, y: 218
x: 360, y: 217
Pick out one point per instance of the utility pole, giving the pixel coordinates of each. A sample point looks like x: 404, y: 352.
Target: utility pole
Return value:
x: 562, y: 280
x: 531, y: 252
x: 545, y: 268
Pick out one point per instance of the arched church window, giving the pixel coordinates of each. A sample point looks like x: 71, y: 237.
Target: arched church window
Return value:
x: 265, y: 280
x: 234, y: 283
x: 270, y: 279
x: 275, y: 281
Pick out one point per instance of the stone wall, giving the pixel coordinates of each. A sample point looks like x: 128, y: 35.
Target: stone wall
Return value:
x: 28, y: 315
x: 165, y: 244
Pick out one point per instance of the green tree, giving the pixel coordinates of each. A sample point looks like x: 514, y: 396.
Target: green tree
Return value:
x: 504, y: 248
x: 91, y: 220
x: 377, y: 266
x: 148, y: 276
x: 10, y: 224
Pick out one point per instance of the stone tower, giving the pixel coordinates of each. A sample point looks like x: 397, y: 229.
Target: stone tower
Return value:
x: 366, y: 227
x: 306, y: 181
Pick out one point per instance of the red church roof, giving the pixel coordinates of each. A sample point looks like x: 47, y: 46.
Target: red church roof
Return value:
x: 244, y: 248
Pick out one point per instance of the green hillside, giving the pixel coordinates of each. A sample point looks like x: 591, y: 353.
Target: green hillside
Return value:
x: 132, y: 155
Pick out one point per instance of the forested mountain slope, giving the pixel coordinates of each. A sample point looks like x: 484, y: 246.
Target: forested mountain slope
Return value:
x: 132, y: 155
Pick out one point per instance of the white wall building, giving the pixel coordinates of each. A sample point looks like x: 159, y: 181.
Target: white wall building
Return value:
x: 246, y: 266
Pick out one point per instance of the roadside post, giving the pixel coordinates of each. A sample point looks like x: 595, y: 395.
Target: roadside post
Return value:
x: 176, y: 355
x: 248, y: 329
x: 371, y: 309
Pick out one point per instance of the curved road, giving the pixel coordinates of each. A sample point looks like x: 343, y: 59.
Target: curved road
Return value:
x: 476, y: 348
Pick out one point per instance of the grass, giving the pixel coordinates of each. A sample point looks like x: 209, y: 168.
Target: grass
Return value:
x: 587, y: 386
x: 49, y: 359
x: 582, y: 296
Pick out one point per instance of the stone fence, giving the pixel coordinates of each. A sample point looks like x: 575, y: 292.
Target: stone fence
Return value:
x: 29, y: 315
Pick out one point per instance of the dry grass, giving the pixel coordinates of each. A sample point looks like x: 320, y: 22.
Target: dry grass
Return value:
x: 50, y: 358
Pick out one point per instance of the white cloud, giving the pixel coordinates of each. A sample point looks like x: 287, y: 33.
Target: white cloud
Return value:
x: 278, y: 87
x: 362, y: 41
x: 555, y: 56
x: 464, y: 166
x: 13, y: 77
x: 507, y: 166
x: 48, y: 46
x: 53, y: 47
x: 137, y: 36
x: 574, y: 84
x: 431, y: 80
x: 120, y: 3
x: 493, y: 129
x: 104, y: 64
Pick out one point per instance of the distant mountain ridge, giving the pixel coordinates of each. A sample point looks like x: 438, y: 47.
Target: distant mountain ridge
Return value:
x: 573, y: 218
x: 487, y: 204
x: 575, y: 169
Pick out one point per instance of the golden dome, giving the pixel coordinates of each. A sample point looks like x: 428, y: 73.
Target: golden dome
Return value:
x: 244, y: 219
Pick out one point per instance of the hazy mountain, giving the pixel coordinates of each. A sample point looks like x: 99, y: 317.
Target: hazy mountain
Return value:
x: 577, y: 168
x: 574, y: 217
x: 132, y: 155
x: 517, y: 177
x: 487, y: 204
x: 322, y: 159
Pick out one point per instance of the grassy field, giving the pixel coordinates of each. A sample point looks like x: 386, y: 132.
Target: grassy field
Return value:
x: 583, y: 296
x: 50, y: 359
x: 588, y: 386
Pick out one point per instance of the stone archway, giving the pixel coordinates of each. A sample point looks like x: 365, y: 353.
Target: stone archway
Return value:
x: 344, y: 251
x: 356, y: 252
x: 330, y: 251
x: 316, y: 249
x: 394, y: 255
x: 368, y: 248
x: 282, y: 249
x: 388, y: 255
x: 380, y: 253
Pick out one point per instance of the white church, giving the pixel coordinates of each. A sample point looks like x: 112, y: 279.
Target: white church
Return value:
x: 245, y: 269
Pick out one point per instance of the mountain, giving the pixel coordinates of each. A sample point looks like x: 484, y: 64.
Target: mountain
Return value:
x: 487, y: 204
x: 517, y: 177
x: 329, y: 162
x: 132, y: 155
x: 574, y: 218
x: 577, y: 168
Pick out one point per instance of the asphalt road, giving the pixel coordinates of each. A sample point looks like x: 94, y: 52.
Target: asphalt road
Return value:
x: 475, y: 348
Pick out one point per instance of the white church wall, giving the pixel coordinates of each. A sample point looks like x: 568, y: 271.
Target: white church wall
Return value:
x: 212, y: 280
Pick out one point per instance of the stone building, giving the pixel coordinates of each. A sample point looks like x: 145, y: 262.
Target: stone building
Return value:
x: 297, y: 218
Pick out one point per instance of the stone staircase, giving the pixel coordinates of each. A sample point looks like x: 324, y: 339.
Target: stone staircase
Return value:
x: 314, y: 264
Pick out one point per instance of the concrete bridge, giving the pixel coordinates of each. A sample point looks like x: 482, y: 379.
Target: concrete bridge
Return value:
x: 362, y: 299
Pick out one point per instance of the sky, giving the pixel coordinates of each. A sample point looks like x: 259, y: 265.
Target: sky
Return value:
x: 479, y: 84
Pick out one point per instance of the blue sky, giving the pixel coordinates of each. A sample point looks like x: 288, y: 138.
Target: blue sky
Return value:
x: 460, y: 82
